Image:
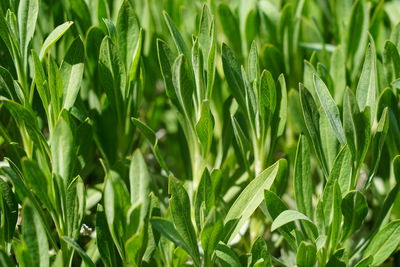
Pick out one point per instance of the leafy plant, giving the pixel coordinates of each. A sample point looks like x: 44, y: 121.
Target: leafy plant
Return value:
x: 199, y: 133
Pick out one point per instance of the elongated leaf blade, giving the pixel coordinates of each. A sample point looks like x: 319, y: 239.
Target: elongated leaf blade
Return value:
x: 306, y: 254
x: 384, y: 243
x: 367, y: 86
x: 330, y: 108
x: 28, y: 11
x: 53, y: 37
x: 227, y: 255
x: 180, y: 210
x: 34, y: 236
x: 72, y: 72
x: 88, y: 261
x: 127, y: 29
x: 9, y: 209
x: 233, y: 75
x: 139, y: 179
x: 62, y: 149
x: 302, y: 178
x: 286, y: 217
x: 354, y: 209
x: 252, y: 196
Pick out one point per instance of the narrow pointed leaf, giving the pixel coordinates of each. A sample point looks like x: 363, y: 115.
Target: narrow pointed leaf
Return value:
x: 252, y: 196
x: 330, y: 108
x: 53, y: 37
x: 302, y: 178
x: 384, y: 243
x: 72, y: 72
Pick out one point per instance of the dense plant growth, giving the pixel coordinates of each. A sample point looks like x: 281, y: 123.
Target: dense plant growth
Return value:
x: 199, y: 133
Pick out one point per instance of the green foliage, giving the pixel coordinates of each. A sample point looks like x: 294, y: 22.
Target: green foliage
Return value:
x: 199, y: 133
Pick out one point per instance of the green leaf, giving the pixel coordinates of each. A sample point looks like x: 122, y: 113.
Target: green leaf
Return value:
x: 230, y: 26
x: 206, y: 32
x: 288, y: 216
x: 139, y: 180
x: 330, y: 108
x: 208, y: 46
x: 27, y: 15
x: 356, y: 32
x: 183, y: 84
x: 336, y: 260
x: 72, y: 72
x: 252, y: 196
x: 384, y: 243
x: 88, y: 261
x: 227, y: 256
x: 311, y: 119
x: 128, y: 31
x: 205, y: 127
x: 168, y: 229
x: 281, y: 109
x: 176, y: 36
x: 391, y: 196
x: 34, y: 236
x: 276, y: 206
x: 40, y: 80
x: 6, y: 260
x: 25, y: 118
x: 242, y: 141
x: 55, y: 88
x: 251, y: 23
x: 233, y: 75
x: 378, y: 141
x: 80, y: 11
x: 7, y: 85
x: 260, y: 253
x: 302, y: 178
x: 342, y: 170
x: 366, y: 262
x: 391, y: 62
x: 179, y: 204
x: 329, y: 141
x: 253, y: 65
x: 133, y: 222
x: 22, y: 192
x: 354, y: 209
x: 53, y: 37
x: 104, y: 241
x: 112, y: 75
x: 357, y: 126
x: 165, y: 58
x: 116, y: 205
x: 338, y: 73
x: 306, y: 254
x: 350, y: 109
x: 9, y: 211
x: 62, y: 150
x: 75, y: 207
x: 203, y: 199
x: 134, y: 248
x: 331, y: 204
x: 5, y: 34
x: 152, y: 236
x: 267, y: 96
x: 366, y: 92
x: 210, y: 235
x: 37, y: 181
x: 396, y: 168
x: 153, y: 140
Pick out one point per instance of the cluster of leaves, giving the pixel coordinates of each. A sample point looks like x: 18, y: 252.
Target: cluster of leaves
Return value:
x: 277, y: 134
